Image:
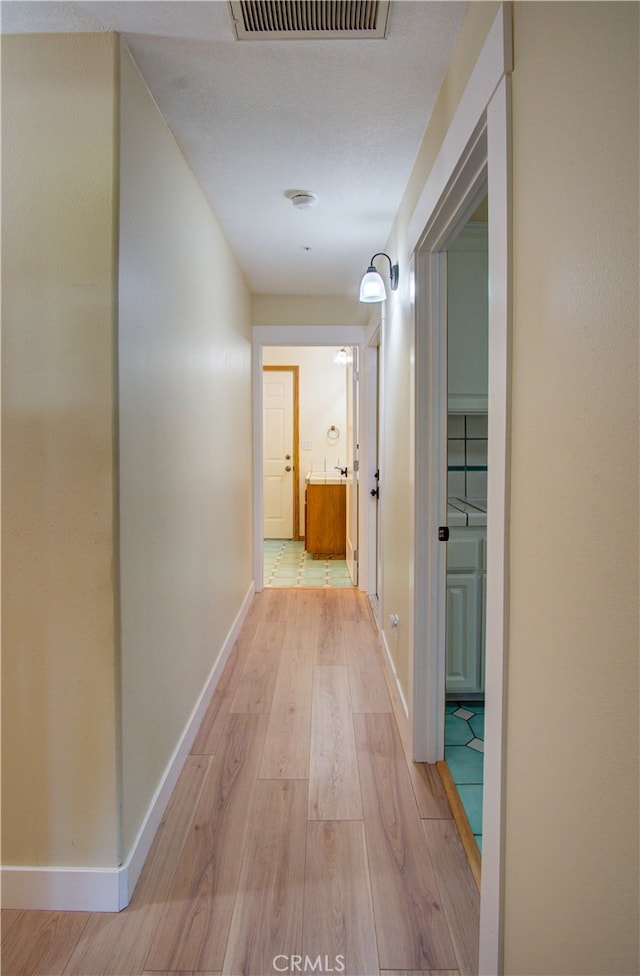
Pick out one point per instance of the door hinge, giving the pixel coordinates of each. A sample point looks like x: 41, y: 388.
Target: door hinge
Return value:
x: 356, y: 465
x: 355, y: 555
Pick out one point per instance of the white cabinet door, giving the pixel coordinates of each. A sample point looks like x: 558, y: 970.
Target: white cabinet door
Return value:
x: 465, y: 611
x: 464, y: 670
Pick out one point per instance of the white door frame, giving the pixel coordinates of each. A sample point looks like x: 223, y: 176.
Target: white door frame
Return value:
x: 474, y: 153
x: 290, y: 335
x: 428, y: 672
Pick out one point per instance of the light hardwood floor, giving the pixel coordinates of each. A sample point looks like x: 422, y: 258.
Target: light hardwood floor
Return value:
x: 297, y: 829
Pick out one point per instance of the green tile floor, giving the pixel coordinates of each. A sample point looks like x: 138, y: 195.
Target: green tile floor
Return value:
x: 464, y: 753
x: 287, y: 564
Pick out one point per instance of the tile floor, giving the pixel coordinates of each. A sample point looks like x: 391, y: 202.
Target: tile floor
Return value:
x: 287, y: 564
x: 464, y: 753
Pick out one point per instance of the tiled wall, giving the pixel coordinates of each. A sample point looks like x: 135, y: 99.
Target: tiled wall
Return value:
x: 327, y: 465
x: 467, y: 455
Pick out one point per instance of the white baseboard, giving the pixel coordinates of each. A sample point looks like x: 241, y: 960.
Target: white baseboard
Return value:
x: 398, y: 701
x: 63, y: 889
x: 93, y: 889
x: 142, y: 844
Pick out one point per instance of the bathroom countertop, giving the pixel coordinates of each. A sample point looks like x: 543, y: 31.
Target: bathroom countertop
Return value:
x: 324, y: 478
x: 466, y: 511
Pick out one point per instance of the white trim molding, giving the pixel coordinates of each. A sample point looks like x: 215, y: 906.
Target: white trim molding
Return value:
x: 64, y: 889
x: 398, y: 700
x: 104, y: 889
x: 497, y: 609
x: 142, y: 844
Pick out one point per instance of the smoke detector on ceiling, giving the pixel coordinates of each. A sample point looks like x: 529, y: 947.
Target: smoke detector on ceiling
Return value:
x: 302, y: 199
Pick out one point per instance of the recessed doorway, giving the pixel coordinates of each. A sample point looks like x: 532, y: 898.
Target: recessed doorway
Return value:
x: 306, y: 447
x: 314, y: 449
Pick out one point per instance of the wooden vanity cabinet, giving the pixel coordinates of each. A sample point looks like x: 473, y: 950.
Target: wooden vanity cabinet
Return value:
x: 325, y: 520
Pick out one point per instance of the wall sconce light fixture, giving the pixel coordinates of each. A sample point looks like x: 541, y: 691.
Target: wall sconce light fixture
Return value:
x: 372, y: 286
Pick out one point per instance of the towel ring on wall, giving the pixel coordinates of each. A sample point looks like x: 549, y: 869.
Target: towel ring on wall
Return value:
x: 333, y: 433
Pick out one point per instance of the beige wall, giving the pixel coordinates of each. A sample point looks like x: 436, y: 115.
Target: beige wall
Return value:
x: 80, y: 765
x: 185, y: 437
x: 58, y: 283
x: 307, y: 310
x: 572, y: 736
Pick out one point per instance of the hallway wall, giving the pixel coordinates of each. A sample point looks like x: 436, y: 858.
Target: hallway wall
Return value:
x: 572, y: 779
x: 185, y: 437
x: 127, y: 461
x: 307, y: 310
x: 59, y: 194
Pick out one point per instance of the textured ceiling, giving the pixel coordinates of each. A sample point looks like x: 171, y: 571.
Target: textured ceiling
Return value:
x: 341, y: 118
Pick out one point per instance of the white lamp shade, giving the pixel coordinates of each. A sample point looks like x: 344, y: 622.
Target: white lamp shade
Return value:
x: 372, y: 287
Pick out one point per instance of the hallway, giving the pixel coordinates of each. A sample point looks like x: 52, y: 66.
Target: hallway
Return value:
x: 297, y: 828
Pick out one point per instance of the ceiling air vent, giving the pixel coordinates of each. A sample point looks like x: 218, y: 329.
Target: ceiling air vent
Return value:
x: 308, y: 20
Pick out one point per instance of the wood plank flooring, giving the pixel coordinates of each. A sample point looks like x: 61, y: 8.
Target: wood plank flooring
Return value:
x: 298, y: 838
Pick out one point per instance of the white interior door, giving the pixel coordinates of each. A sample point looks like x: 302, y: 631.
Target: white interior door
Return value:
x: 278, y: 451
x: 352, y: 463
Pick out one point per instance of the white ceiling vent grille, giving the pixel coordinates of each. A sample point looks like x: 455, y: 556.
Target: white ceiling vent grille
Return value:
x: 312, y: 20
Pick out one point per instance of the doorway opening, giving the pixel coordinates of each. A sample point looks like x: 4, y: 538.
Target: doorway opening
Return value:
x: 467, y: 307
x: 314, y: 458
